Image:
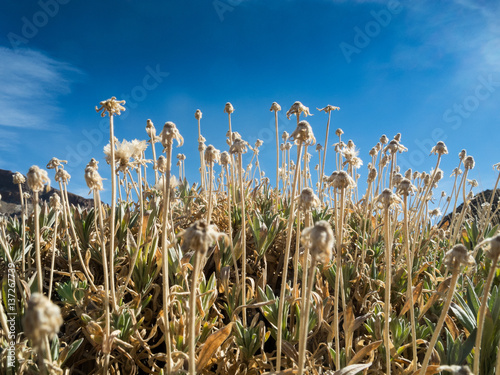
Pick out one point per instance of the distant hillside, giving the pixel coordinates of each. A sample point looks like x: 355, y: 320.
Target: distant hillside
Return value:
x: 10, y: 203
x: 475, y: 205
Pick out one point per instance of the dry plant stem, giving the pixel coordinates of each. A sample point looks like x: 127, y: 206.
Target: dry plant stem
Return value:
x: 39, y: 276
x: 296, y: 255
x: 23, y: 232
x: 192, y: 314
x: 243, y: 241
x: 365, y: 223
x: 230, y: 226
x: 324, y: 157
x: 285, y: 259
x: 277, y: 160
x: 482, y: 312
x: 66, y: 224
x: 165, y: 243
x: 210, y: 187
x: 304, y: 318
x: 112, y: 216
x: 388, y: 280
x: 106, y: 348
x: 458, y: 224
x: 444, y: 312
x: 338, y: 274
x: 409, y: 265
x: 305, y: 266
x: 51, y: 279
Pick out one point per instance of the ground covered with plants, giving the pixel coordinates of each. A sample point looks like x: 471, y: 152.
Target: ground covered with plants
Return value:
x: 237, y: 274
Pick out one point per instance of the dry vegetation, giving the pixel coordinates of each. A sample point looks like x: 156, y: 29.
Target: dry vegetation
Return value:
x: 236, y: 276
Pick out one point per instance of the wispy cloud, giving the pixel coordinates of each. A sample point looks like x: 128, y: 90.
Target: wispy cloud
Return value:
x: 31, y: 82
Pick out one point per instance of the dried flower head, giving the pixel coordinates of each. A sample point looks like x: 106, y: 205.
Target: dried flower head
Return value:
x: 397, y: 137
x: 198, y: 114
x: 469, y: 162
x: 239, y: 146
x: 151, y: 130
x: 303, y: 134
x: 387, y: 199
x: 212, y: 155
x: 457, y: 256
x: 62, y: 176
x: 373, y: 152
x: 93, y: 178
x: 199, y: 236
x: 384, y: 139
x: 308, y: 200
x: 18, y: 178
x: 439, y: 149
x: 394, y: 146
x: 42, y: 319
x: 225, y: 159
x: 161, y: 164
x: 320, y: 240
x: 329, y: 108
x: 275, y: 107
x: 297, y: 108
x: 372, y: 174
x: 342, y: 180
x: 319, y: 147
x: 228, y: 108
x: 111, y: 106
x: 493, y: 247
x: 37, y: 178
x: 456, y: 370
x: 462, y: 155
x: 55, y: 163
x: 169, y: 133
x: 55, y: 202
x: 405, y: 187
x: 339, y: 132
x: 285, y: 136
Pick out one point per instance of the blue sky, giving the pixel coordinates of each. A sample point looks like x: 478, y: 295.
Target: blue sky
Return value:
x: 428, y: 69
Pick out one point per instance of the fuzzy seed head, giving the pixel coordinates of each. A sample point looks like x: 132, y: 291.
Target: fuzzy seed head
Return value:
x: 308, y: 200
x: 275, y: 107
x: 37, y: 178
x: 41, y: 319
x: 469, y: 162
x: 239, y: 147
x: 405, y: 187
x: 339, y: 132
x: 212, y: 155
x: 303, y: 134
x: 55, y: 202
x: 93, y: 178
x: 55, y: 163
x: 493, y: 247
x: 169, y: 133
x: 297, y: 108
x: 199, y: 236
x: 372, y: 174
x: 228, y: 108
x: 111, y: 107
x: 387, y: 199
x: 198, y: 114
x: 457, y: 256
x: 18, y: 178
x: 320, y: 240
x: 329, y: 108
x: 439, y: 149
x: 161, y: 164
x: 342, y: 180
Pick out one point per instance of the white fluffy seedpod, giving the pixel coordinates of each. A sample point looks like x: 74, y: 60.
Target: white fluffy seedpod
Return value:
x: 298, y: 108
x: 329, y: 108
x: 93, y: 178
x: 228, y: 108
x: 111, y: 107
x: 198, y: 115
x: 303, y: 133
x: 212, y: 155
x: 199, y: 236
x: 342, y: 180
x: 41, y: 319
x: 469, y: 162
x: 161, y: 164
x: 55, y: 163
x: 308, y: 200
x: 169, y: 133
x: 225, y: 159
x: 457, y: 256
x: 239, y: 146
x: 320, y: 240
x: 62, y: 176
x: 55, y: 202
x: 387, y: 199
x: 439, y: 149
x: 275, y: 107
x: 18, y: 178
x: 493, y: 249
x: 37, y: 178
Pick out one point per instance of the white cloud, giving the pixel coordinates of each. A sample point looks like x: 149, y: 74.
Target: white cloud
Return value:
x: 30, y: 83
